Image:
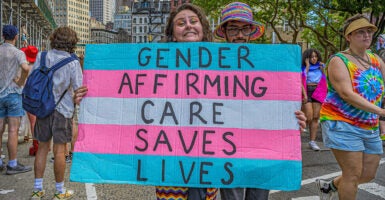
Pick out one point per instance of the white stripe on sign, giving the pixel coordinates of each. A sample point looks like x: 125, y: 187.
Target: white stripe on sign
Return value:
x: 373, y: 188
x: 91, y: 192
x: 248, y: 114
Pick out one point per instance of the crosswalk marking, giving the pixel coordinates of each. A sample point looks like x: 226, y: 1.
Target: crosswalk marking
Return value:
x: 374, y: 189
x: 91, y: 191
x: 307, y: 198
x: 329, y: 176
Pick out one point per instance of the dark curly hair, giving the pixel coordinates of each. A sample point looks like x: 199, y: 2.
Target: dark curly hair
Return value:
x: 207, y: 34
x: 64, y: 38
x: 307, y: 54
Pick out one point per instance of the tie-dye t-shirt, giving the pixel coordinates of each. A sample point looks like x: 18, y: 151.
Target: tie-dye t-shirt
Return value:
x: 367, y: 83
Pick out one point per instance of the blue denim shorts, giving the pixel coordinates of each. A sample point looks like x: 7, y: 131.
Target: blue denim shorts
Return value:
x: 10, y: 106
x: 346, y: 137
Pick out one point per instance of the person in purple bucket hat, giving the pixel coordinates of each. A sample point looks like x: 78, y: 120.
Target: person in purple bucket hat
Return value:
x: 238, y: 26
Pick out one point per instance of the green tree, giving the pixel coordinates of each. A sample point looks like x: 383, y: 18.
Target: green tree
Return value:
x: 318, y: 22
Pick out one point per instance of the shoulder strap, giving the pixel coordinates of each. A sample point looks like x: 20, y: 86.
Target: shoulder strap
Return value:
x: 61, y: 63
x: 42, y: 58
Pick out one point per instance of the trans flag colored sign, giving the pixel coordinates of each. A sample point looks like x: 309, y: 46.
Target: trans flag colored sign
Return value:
x: 190, y: 114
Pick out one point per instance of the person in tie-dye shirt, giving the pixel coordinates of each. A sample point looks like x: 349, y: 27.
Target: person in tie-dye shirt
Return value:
x: 350, y: 112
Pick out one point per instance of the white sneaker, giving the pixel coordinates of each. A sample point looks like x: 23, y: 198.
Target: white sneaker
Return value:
x: 314, y: 146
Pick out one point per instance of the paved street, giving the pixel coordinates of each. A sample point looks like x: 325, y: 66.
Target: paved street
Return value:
x: 315, y: 164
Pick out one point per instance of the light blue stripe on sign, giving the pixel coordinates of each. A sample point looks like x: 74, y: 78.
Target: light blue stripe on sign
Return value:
x: 192, y: 172
x: 193, y: 55
x: 247, y: 114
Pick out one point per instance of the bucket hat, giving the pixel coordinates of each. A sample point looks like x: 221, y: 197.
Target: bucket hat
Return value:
x: 238, y: 11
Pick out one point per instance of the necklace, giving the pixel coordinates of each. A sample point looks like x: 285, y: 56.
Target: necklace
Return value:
x: 359, y: 59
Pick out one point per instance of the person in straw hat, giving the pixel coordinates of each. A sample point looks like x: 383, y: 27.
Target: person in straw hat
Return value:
x: 238, y: 26
x: 350, y: 112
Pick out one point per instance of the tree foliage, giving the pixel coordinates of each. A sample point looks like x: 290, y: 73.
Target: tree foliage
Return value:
x: 316, y: 22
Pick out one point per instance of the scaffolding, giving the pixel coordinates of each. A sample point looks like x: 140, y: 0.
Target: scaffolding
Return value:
x: 32, y: 15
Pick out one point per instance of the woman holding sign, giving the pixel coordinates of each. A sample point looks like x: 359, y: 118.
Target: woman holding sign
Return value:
x: 187, y: 23
x: 350, y: 112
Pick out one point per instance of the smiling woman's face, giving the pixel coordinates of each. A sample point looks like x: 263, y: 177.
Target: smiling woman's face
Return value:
x: 187, y: 27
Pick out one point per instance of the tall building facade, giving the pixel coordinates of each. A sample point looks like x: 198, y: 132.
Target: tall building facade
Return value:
x: 144, y: 20
x: 122, y: 3
x: 102, y: 10
x: 149, y: 18
x: 75, y: 14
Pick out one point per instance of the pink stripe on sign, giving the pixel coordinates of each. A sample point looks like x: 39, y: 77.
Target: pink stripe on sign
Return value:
x: 189, y: 141
x: 246, y: 85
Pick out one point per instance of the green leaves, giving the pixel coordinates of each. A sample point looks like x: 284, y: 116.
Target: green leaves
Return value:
x: 313, y: 23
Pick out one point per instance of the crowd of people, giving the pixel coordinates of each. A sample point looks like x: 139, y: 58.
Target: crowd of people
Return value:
x: 345, y: 96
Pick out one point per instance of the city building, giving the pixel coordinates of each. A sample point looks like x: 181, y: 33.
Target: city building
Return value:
x: 122, y: 3
x: 74, y: 14
x: 101, y: 35
x: 122, y: 20
x: 102, y: 10
x: 144, y: 20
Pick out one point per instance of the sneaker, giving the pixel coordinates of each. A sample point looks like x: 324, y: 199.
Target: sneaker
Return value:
x: 67, y: 195
x: 19, y: 168
x: 68, y: 159
x: 325, y: 192
x: 38, y: 194
x: 314, y: 146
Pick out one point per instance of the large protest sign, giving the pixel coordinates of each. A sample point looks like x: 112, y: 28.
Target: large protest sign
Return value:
x: 190, y: 114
